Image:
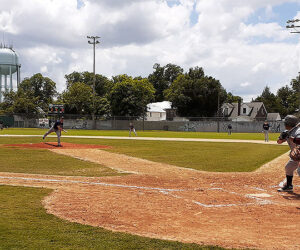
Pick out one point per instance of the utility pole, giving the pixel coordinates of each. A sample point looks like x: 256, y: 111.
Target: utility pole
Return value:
x: 294, y: 24
x: 218, y: 112
x: 94, y: 40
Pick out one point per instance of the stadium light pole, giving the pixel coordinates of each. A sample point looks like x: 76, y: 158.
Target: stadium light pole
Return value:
x: 294, y: 24
x: 94, y: 40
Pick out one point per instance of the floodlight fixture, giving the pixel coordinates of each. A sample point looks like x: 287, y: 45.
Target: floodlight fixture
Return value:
x: 291, y: 25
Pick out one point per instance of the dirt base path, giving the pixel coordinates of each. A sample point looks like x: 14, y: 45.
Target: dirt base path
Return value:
x: 162, y: 201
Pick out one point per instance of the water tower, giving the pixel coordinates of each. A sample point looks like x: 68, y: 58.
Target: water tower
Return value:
x: 9, y: 64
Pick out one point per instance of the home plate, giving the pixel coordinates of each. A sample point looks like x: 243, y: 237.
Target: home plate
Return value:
x: 262, y: 195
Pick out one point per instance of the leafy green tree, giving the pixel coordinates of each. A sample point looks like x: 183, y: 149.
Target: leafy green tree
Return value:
x: 40, y: 88
x: 129, y: 97
x: 78, y: 98
x: 162, y: 78
x: 102, y: 106
x: 271, y: 102
x: 196, y: 95
x: 233, y: 98
x: 102, y: 84
x: 295, y: 97
x: 285, y: 97
x: 19, y: 102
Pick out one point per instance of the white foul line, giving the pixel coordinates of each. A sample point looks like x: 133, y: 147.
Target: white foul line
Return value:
x: 165, y: 191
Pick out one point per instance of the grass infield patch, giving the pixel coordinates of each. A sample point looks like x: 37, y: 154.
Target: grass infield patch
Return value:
x: 40, y: 161
x: 206, y: 156
x: 24, y: 224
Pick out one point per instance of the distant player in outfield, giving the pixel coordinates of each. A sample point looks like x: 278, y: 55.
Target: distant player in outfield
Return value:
x: 290, y: 123
x: 131, y: 129
x: 229, y: 127
x: 1, y: 125
x: 57, y: 128
x: 266, y: 127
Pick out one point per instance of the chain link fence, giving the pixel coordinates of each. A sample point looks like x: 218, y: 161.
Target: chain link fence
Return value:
x: 187, y: 124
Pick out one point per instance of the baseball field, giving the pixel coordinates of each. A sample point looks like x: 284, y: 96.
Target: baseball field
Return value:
x: 168, y: 190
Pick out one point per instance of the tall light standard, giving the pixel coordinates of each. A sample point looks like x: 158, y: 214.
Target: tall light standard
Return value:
x: 93, y: 40
x: 294, y: 24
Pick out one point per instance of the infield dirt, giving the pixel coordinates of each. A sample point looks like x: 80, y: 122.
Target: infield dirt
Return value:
x: 241, y: 210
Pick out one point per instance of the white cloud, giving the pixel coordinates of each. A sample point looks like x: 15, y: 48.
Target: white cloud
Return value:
x: 259, y: 67
x: 245, y: 84
x: 50, y: 36
x: 267, y: 30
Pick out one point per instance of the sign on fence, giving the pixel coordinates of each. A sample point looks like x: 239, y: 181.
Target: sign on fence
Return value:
x: 43, y: 122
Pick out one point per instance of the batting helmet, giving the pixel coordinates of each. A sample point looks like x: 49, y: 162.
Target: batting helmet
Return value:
x: 290, y: 121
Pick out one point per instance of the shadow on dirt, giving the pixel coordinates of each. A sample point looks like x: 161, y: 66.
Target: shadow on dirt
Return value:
x: 50, y: 144
x: 292, y: 196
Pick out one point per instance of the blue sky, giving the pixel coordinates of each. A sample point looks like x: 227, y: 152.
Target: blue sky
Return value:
x: 280, y: 14
x: 79, y: 4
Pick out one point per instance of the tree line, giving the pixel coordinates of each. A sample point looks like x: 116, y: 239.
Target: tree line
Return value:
x: 285, y: 101
x: 192, y: 93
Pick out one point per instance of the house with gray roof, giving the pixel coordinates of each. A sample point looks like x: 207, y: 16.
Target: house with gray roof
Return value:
x: 247, y: 111
x: 274, y: 117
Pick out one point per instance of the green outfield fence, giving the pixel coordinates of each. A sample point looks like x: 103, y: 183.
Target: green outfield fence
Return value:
x: 8, y: 121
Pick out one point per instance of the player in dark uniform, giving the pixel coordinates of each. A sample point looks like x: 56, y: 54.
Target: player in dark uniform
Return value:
x: 229, y: 127
x: 131, y: 129
x: 57, y: 128
x: 266, y: 127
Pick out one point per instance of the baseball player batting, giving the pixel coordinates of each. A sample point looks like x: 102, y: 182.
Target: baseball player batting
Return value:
x: 292, y: 132
x: 57, y: 128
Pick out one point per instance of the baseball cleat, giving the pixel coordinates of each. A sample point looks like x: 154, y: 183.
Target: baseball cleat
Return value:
x: 283, y: 183
x: 286, y: 189
x: 43, y: 137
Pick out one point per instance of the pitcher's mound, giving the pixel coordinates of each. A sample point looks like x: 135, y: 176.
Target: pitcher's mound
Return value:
x: 52, y: 145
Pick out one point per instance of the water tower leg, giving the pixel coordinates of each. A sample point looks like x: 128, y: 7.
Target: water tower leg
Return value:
x: 18, y: 76
x: 11, y: 82
x: 5, y: 78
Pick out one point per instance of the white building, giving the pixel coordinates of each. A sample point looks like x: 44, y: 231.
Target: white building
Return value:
x: 157, y: 111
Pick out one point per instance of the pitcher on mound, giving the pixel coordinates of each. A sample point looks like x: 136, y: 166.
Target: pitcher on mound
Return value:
x: 57, y: 128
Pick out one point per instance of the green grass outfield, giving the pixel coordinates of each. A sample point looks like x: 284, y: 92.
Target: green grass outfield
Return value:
x: 147, y: 133
x: 206, y: 156
x: 24, y: 224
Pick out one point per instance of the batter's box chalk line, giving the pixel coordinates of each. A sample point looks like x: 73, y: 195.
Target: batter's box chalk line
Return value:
x: 166, y: 191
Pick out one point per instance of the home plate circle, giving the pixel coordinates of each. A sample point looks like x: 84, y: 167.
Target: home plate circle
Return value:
x: 262, y: 195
